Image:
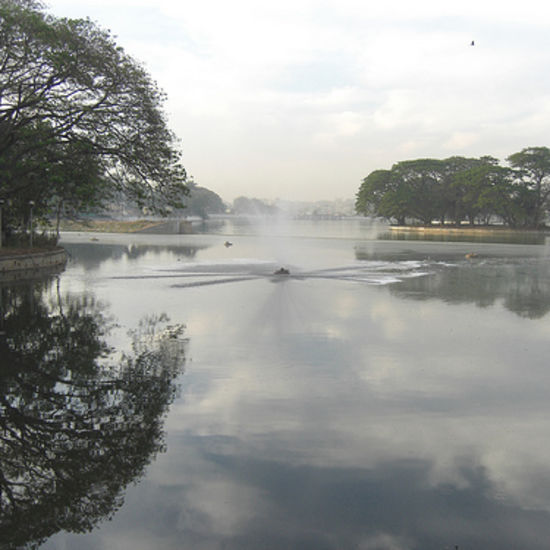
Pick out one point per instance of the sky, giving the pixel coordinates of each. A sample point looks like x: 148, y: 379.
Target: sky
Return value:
x: 302, y: 99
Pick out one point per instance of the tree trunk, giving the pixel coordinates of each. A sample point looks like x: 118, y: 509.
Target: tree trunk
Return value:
x: 58, y: 220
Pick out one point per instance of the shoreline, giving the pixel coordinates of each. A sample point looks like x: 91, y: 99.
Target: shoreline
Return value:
x: 162, y: 226
x: 467, y: 230
x: 20, y: 263
x: 107, y: 226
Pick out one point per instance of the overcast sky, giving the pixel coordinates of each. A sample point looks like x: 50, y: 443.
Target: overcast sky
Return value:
x: 301, y: 99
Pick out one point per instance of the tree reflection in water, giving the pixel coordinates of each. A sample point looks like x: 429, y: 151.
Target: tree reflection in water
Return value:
x: 522, y: 286
x: 78, y: 420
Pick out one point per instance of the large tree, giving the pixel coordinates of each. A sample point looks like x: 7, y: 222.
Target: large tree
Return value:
x: 532, y: 166
x: 372, y: 191
x: 458, y: 201
x: 383, y: 194
x: 203, y: 202
x: 485, y: 190
x: 78, y: 116
x: 411, y: 189
x: 424, y: 180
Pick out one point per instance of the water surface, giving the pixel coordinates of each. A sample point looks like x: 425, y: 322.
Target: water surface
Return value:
x: 383, y: 395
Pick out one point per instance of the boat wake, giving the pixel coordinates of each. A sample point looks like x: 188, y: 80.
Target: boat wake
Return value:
x: 217, y: 273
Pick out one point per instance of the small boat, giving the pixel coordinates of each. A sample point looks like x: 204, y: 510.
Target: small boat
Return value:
x: 281, y: 271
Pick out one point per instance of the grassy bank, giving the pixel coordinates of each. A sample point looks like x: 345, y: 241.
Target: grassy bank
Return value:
x: 43, y: 243
x: 107, y: 226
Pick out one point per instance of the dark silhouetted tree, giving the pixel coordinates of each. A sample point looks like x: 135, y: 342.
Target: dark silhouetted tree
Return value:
x: 78, y: 117
x: 532, y: 166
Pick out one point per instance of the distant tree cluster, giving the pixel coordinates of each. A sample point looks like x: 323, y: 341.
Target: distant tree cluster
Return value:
x: 458, y: 189
x: 202, y: 202
x: 79, y: 119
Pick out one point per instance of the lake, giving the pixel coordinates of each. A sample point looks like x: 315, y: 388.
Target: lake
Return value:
x: 171, y: 392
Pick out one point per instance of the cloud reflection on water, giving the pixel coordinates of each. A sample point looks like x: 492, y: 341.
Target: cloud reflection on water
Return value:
x: 319, y: 413
x: 351, y: 407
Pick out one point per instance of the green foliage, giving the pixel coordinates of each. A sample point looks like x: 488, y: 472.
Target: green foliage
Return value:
x: 79, y: 118
x: 202, y: 202
x: 459, y: 188
x: 532, y: 166
x: 421, y: 184
x: 372, y: 191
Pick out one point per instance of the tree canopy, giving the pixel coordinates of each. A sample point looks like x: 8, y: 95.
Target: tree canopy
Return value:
x: 460, y: 189
x: 79, y: 117
x: 202, y: 201
x: 533, y: 173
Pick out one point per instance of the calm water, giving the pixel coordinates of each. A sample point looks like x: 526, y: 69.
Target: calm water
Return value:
x: 386, y: 395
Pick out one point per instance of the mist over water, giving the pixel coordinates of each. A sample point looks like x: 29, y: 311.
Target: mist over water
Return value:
x: 384, y: 394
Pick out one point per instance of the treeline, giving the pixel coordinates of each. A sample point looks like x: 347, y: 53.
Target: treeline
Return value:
x: 458, y: 189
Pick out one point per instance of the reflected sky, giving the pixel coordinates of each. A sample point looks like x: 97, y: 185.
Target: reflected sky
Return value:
x: 330, y: 410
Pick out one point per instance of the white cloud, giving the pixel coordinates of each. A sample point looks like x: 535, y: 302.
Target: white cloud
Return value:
x: 256, y: 88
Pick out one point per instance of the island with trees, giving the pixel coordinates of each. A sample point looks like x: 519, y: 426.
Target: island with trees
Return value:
x: 461, y: 190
